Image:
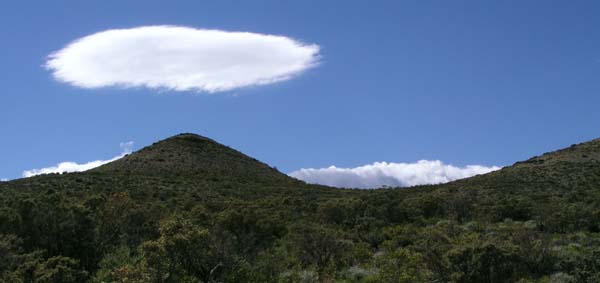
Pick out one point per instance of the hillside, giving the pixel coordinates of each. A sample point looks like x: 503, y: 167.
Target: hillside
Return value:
x: 559, y: 190
x: 194, y: 156
x: 188, y: 209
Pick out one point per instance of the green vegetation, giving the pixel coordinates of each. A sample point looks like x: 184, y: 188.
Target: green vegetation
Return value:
x: 188, y: 209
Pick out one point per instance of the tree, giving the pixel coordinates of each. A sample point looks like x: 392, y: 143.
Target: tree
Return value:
x: 318, y: 247
x: 485, y: 263
x: 249, y: 230
x: 182, y: 251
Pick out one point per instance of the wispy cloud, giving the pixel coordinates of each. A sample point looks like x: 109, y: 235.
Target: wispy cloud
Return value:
x: 381, y: 174
x: 69, y: 166
x: 3, y: 180
x: 181, y: 59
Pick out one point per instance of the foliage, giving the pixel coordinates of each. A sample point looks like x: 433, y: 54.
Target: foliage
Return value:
x: 190, y: 210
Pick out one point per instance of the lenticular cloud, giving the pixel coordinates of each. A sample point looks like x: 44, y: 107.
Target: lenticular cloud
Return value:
x: 181, y: 59
x: 381, y: 174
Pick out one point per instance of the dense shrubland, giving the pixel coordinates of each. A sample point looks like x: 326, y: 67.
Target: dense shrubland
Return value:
x: 537, y: 221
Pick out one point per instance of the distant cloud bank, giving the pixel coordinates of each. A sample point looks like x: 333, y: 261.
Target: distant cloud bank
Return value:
x: 181, y: 59
x: 381, y: 174
x: 69, y: 166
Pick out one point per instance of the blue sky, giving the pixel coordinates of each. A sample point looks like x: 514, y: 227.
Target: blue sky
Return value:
x: 464, y: 82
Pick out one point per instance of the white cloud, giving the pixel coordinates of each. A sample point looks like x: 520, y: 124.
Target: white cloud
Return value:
x: 3, y: 180
x: 381, y: 174
x: 181, y: 59
x: 68, y: 166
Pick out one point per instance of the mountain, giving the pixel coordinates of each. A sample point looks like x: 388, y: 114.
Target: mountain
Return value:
x: 196, y: 157
x: 188, y: 209
x: 577, y: 153
x: 536, y: 189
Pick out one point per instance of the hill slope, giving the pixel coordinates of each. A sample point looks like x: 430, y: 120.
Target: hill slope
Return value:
x: 196, y: 157
x: 187, y: 209
x: 560, y: 190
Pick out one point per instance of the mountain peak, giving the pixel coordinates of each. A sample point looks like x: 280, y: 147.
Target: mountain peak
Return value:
x: 194, y: 156
x: 189, y: 136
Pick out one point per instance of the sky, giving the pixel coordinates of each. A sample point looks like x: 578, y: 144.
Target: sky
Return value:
x: 346, y: 93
